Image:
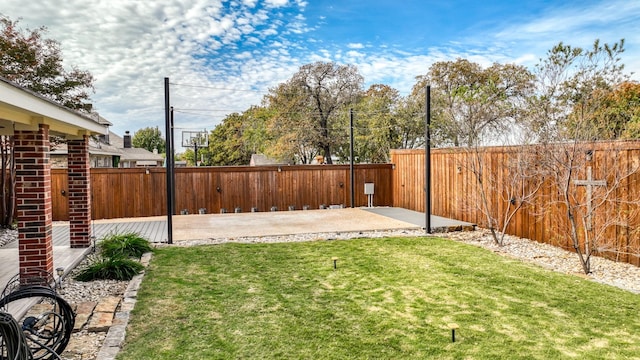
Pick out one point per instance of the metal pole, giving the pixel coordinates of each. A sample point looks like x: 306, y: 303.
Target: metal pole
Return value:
x: 168, y: 150
x: 427, y: 162
x: 351, y: 171
x: 173, y: 166
x: 195, y: 154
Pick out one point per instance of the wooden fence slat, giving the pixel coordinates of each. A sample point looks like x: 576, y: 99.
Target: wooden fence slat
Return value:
x: 456, y: 194
x: 118, y: 193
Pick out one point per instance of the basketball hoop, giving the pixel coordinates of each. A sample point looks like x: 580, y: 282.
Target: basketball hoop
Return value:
x: 196, y: 140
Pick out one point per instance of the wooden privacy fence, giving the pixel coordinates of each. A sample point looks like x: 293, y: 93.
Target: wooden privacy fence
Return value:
x: 614, y: 209
x: 120, y: 193
x: 606, y: 170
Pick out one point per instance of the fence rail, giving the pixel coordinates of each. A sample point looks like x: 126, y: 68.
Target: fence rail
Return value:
x: 120, y: 193
x: 455, y: 193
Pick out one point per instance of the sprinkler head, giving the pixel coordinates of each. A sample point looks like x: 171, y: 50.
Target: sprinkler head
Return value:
x: 453, y: 327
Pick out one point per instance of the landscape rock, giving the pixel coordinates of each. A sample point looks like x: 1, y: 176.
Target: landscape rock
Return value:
x: 108, y: 304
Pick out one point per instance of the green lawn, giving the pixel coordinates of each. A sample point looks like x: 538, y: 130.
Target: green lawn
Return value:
x: 388, y: 299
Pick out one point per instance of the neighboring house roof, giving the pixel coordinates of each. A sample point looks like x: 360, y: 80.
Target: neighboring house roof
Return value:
x: 132, y: 153
x: 139, y: 154
x: 22, y: 109
x: 116, y: 140
x: 103, y: 121
x: 61, y: 149
x: 115, y: 148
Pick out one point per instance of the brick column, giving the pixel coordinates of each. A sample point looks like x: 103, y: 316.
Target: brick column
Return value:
x: 79, y: 193
x: 33, y: 197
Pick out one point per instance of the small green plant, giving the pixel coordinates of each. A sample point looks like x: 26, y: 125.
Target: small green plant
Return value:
x: 115, y: 260
x: 114, y: 268
x: 124, y: 245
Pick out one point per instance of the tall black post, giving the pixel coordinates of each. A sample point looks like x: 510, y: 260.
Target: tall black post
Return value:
x: 427, y: 161
x: 169, y: 160
x: 173, y: 164
x: 195, y: 153
x: 351, y: 171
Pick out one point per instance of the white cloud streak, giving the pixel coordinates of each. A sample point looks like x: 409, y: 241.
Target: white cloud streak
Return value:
x: 130, y: 46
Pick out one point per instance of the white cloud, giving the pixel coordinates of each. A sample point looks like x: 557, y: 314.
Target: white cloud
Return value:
x: 563, y: 20
x: 244, y: 55
x: 276, y: 3
x: 130, y: 46
x: 523, y: 43
x: 268, y: 32
x: 355, y: 46
x: 250, y: 3
x: 608, y: 21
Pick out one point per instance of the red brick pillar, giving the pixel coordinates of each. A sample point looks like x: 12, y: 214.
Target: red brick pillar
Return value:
x: 33, y: 197
x: 79, y: 193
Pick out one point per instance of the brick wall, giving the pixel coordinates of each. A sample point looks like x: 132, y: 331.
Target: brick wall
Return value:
x: 79, y: 193
x: 33, y: 197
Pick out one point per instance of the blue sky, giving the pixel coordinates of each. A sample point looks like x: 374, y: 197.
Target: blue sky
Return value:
x: 223, y: 56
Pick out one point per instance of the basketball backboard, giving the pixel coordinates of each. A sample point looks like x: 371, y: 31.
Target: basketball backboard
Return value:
x: 195, y: 138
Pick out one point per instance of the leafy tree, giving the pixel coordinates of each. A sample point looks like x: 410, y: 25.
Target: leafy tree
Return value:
x: 474, y: 105
x: 34, y: 62
x: 295, y: 135
x: 411, y: 115
x: 149, y: 138
x: 572, y: 84
x: 616, y: 112
x: 376, y: 125
x: 237, y: 137
x: 226, y: 142
x: 256, y: 135
x: 306, y: 108
x: 471, y: 106
x: 575, y: 87
x: 623, y: 107
x: 411, y: 121
x: 413, y: 112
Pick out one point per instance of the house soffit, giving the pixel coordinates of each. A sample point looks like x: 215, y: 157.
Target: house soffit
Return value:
x: 21, y: 109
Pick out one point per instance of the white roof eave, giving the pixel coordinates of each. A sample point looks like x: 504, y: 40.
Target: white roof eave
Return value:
x: 21, y: 109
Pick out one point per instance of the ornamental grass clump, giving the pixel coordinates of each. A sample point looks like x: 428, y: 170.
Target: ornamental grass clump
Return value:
x: 118, y: 258
x: 114, y: 268
x: 125, y: 245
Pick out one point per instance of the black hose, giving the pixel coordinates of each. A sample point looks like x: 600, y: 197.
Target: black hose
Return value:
x: 43, y: 347
x: 12, y: 340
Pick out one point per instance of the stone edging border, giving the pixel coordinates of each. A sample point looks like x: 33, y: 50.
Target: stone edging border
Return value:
x: 117, y: 332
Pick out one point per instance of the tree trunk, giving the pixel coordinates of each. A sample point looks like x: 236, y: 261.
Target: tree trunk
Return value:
x: 7, y: 181
x: 575, y: 239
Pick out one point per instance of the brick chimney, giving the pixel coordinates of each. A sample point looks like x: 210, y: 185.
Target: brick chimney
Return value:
x: 127, y: 140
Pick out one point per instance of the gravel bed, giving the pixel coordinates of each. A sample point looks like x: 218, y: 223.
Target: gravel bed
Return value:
x: 621, y: 275
x: 78, y: 291
x: 85, y: 345
x: 8, y: 236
